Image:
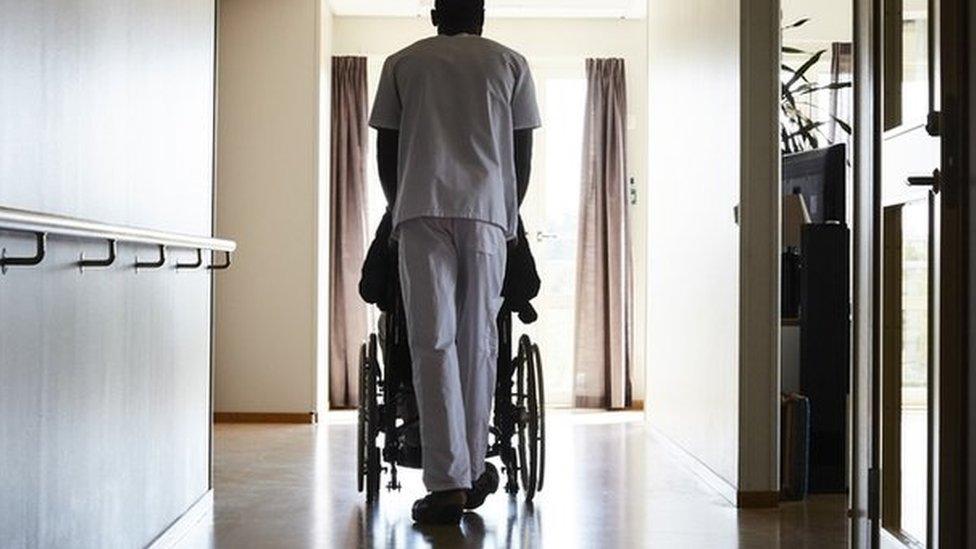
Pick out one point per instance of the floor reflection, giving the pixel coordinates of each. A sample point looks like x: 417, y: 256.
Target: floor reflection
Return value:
x: 609, y: 483
x: 387, y: 524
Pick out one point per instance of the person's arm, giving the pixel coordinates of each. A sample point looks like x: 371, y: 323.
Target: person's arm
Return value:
x: 387, y: 159
x: 523, y: 162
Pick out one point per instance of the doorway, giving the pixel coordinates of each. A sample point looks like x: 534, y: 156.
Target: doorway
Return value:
x: 816, y: 127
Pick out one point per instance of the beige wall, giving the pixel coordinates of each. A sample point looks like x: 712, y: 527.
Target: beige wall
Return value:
x: 713, y: 376
x: 545, y: 41
x: 693, y: 247
x: 267, y: 198
x: 326, y: 41
x: 760, y: 261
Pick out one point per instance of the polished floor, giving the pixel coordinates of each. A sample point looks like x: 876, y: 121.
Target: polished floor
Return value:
x: 609, y: 483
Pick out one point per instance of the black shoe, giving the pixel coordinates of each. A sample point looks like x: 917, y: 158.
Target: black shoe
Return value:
x: 486, y: 485
x: 441, y: 508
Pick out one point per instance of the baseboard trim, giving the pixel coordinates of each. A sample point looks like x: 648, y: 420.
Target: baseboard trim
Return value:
x: 261, y: 417
x: 172, y: 536
x: 696, y: 467
x: 757, y: 500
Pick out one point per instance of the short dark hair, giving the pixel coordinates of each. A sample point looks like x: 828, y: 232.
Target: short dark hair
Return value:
x: 460, y: 11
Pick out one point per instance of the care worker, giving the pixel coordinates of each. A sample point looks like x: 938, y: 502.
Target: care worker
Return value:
x: 455, y: 114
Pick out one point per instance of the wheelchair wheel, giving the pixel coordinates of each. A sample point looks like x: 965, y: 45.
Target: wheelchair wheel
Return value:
x: 368, y: 454
x: 528, y: 417
x: 540, y: 390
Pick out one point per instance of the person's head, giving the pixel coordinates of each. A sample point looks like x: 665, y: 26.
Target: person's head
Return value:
x: 458, y: 16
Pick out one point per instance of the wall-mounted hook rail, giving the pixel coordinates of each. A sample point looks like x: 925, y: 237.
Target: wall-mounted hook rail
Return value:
x: 44, y: 225
x: 195, y: 265
x: 222, y: 266
x: 107, y: 262
x: 40, y: 251
x: 153, y: 264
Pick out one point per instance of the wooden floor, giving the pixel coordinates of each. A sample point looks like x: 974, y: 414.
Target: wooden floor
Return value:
x: 610, y: 483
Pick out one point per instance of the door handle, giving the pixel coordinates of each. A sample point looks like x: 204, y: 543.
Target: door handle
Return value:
x: 540, y: 236
x: 934, y: 181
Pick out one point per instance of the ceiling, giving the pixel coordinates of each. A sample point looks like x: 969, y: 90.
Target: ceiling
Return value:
x: 612, y: 9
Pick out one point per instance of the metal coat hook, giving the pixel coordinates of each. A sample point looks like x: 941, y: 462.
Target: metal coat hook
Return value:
x: 223, y: 266
x: 153, y: 264
x: 195, y: 265
x: 107, y: 262
x: 30, y: 261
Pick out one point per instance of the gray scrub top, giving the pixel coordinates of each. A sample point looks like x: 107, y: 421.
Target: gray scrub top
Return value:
x: 456, y: 102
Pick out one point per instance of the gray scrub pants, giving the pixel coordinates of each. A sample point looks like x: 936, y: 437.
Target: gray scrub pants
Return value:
x: 451, y: 273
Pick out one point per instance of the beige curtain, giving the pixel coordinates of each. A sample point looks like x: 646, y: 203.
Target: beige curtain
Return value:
x: 348, y: 224
x: 603, y: 319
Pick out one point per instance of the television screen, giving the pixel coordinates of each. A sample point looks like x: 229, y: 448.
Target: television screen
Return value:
x: 821, y: 177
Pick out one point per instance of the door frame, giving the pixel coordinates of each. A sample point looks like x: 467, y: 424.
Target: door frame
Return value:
x: 863, y: 498
x: 955, y: 436
x: 955, y: 417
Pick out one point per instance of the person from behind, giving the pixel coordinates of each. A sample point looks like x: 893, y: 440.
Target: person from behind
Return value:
x: 454, y: 114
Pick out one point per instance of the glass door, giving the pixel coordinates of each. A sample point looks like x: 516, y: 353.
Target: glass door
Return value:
x: 907, y: 370
x: 911, y: 153
x: 551, y: 214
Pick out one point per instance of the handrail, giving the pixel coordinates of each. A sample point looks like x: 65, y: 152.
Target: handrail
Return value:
x: 41, y: 225
x: 35, y: 222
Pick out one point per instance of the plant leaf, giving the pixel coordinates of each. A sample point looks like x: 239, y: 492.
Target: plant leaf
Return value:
x: 798, y: 23
x: 813, y: 60
x: 808, y: 129
x: 792, y: 71
x: 807, y: 90
x: 843, y: 125
x: 792, y: 50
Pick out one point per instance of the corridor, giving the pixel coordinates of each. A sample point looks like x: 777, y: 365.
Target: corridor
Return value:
x: 610, y: 482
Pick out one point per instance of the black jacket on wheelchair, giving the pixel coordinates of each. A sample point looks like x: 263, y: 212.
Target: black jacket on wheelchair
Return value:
x: 378, y: 283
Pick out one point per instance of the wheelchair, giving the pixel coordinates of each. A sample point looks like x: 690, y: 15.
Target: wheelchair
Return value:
x: 388, y: 425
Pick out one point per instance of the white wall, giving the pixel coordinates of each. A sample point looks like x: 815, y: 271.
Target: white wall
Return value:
x: 551, y: 41
x: 324, y: 276
x: 830, y: 21
x: 693, y: 247
x: 267, y: 197
x: 104, y: 376
x: 713, y: 383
